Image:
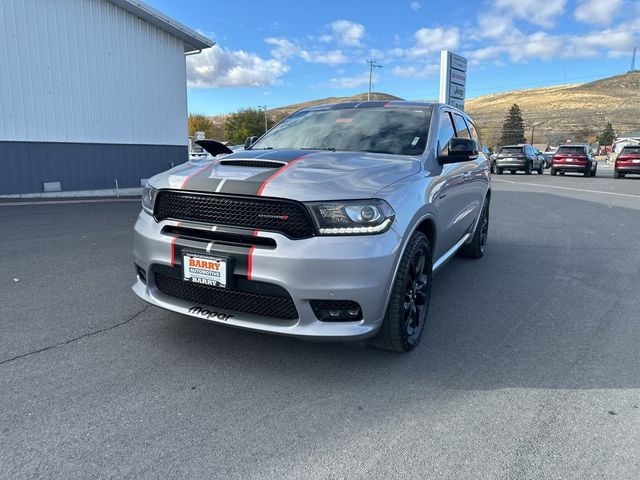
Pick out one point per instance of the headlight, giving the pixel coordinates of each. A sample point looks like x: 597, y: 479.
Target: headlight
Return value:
x: 353, y: 217
x: 148, y: 198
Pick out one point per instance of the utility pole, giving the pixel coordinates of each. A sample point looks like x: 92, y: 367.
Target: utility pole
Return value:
x: 372, y: 65
x: 633, y: 60
x: 533, y: 129
x: 264, y: 107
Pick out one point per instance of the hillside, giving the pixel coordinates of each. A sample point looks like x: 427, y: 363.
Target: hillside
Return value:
x: 578, y: 111
x: 361, y: 97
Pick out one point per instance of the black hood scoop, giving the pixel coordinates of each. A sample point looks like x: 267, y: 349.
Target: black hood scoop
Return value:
x: 252, y: 163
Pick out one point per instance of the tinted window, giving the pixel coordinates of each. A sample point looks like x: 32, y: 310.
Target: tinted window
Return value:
x: 445, y: 132
x: 506, y: 151
x: 577, y: 150
x: 461, y: 127
x: 631, y: 150
x: 400, y: 131
x: 474, y: 133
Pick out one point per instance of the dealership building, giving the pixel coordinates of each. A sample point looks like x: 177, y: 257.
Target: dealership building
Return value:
x: 92, y: 94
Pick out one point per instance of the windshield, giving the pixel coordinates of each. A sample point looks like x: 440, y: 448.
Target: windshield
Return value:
x: 397, y: 131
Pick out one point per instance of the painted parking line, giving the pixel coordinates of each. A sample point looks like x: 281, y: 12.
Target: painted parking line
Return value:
x: 567, y: 188
x: 63, y: 202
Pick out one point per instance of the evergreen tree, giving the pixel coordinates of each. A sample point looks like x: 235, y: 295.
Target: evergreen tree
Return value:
x: 607, y: 136
x: 513, y: 127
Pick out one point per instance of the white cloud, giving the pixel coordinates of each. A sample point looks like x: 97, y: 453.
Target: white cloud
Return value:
x: 347, y: 33
x: 410, y: 71
x: 350, y: 82
x: 285, y: 49
x: 600, y: 12
x: 219, y: 67
x: 537, y: 12
x: 415, y: 6
x: 430, y: 40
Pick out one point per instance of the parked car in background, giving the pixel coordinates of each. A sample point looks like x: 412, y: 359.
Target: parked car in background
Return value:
x: 575, y: 159
x: 627, y: 161
x: 330, y: 226
x: 521, y: 157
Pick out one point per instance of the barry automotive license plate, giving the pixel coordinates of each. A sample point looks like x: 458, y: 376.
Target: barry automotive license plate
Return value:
x: 204, y: 269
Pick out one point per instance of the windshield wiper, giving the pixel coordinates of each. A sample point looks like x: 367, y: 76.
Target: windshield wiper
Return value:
x: 264, y: 148
x: 330, y: 149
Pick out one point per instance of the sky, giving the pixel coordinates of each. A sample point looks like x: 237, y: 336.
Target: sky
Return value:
x: 279, y: 52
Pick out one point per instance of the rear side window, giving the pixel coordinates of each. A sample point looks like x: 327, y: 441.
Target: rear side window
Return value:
x: 445, y: 132
x: 461, y: 127
x: 571, y: 151
x: 631, y: 150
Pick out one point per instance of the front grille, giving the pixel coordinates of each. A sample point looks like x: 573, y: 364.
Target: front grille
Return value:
x: 228, y: 299
x: 287, y: 217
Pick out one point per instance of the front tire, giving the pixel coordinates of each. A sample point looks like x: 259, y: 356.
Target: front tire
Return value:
x: 410, y: 295
x: 527, y: 169
x: 616, y: 174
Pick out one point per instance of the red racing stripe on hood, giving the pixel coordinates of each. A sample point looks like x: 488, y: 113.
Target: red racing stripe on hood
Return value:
x: 280, y: 171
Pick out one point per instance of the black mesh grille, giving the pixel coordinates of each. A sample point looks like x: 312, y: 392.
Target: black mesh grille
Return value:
x: 227, y: 299
x: 289, y: 218
x: 252, y: 163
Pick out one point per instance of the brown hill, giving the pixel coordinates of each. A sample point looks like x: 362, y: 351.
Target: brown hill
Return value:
x: 361, y: 97
x: 578, y: 112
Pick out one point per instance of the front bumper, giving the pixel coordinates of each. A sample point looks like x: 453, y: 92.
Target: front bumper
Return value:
x: 355, y: 268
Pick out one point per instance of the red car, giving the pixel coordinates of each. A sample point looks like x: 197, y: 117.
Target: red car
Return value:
x: 574, y: 158
x: 627, y: 161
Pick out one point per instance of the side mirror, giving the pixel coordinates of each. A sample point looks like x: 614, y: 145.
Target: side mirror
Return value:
x: 460, y: 150
x: 250, y: 141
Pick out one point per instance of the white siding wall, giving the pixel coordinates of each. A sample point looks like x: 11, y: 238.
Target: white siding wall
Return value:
x: 88, y: 71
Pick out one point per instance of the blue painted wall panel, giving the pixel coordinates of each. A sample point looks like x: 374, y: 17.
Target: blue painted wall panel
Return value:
x: 82, y: 166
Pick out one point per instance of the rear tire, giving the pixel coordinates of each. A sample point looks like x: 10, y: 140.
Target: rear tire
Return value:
x: 587, y: 171
x: 553, y: 171
x: 410, y: 295
x: 541, y: 169
x: 616, y: 174
x: 513, y: 172
x: 498, y: 171
x: 478, y: 244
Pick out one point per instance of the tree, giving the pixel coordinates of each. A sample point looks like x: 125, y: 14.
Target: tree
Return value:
x: 607, y: 135
x: 513, y: 127
x: 244, y: 123
x: 200, y: 123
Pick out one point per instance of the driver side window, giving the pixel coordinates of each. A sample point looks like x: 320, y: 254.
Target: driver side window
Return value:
x: 445, y: 133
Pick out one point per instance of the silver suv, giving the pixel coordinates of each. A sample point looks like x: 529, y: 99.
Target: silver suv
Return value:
x: 330, y: 226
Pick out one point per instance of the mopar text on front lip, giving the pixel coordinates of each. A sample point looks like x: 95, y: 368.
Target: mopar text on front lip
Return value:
x: 210, y: 314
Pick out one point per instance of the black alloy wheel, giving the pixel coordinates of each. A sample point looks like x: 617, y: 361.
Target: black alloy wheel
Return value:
x: 409, y: 303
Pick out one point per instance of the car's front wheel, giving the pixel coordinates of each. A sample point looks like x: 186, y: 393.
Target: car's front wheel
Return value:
x: 409, y: 304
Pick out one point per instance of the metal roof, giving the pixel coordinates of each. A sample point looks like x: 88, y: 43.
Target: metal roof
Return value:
x: 193, y: 41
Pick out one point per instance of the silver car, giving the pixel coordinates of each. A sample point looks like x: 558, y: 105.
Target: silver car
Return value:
x: 330, y: 226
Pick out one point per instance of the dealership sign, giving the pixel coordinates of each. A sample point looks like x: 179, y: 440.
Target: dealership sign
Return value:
x: 453, y: 79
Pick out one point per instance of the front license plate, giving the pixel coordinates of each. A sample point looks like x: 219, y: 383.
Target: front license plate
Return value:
x: 204, y: 269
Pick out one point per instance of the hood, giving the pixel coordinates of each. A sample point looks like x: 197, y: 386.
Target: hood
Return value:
x: 304, y: 175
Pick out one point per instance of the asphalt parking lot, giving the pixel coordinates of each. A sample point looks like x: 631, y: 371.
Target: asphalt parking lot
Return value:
x: 529, y: 368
